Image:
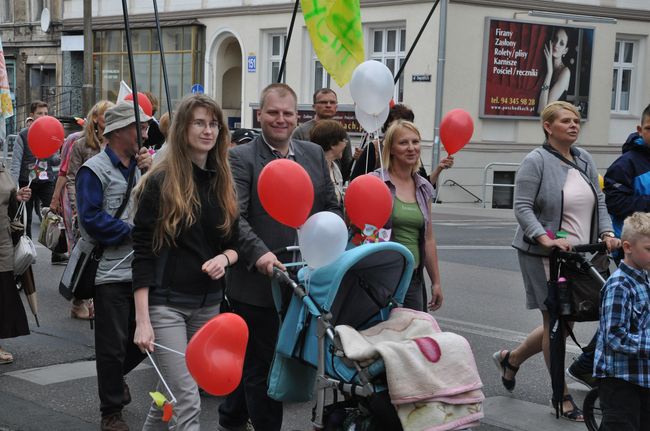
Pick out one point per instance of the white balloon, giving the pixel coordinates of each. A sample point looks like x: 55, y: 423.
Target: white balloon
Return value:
x: 322, y: 239
x: 372, y: 86
x: 369, y: 122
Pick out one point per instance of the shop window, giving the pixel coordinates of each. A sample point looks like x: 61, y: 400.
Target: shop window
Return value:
x: 624, y: 74
x: 388, y: 45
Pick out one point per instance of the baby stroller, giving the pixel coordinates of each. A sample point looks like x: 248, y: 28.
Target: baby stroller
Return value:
x: 575, y: 300
x: 360, y: 289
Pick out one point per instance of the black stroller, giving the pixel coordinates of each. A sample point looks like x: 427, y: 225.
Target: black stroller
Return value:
x: 573, y: 296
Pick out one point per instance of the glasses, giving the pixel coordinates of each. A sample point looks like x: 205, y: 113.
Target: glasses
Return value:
x: 200, y: 124
x: 327, y: 102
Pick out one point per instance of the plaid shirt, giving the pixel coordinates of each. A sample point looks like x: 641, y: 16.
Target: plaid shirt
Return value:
x: 623, y: 349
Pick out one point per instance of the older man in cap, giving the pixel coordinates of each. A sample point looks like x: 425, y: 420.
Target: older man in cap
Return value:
x: 104, y: 186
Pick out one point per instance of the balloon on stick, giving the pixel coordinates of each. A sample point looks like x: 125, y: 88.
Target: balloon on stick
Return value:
x: 143, y: 102
x: 45, y: 136
x: 368, y: 202
x: 322, y: 239
x: 371, y: 123
x: 456, y: 129
x: 372, y: 86
x: 215, y: 354
x: 286, y: 192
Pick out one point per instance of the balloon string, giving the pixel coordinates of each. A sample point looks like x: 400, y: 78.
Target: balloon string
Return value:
x: 381, y: 159
x: 162, y: 379
x: 167, y: 348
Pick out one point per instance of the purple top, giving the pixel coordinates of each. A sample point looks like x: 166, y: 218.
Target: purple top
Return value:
x: 423, y: 193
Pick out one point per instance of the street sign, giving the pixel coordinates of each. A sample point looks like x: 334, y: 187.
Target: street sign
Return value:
x: 252, y: 64
x: 197, y: 88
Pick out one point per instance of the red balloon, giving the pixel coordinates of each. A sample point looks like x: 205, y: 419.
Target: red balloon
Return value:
x: 215, y: 354
x: 456, y: 130
x: 143, y: 101
x: 368, y: 201
x: 45, y: 136
x: 286, y: 192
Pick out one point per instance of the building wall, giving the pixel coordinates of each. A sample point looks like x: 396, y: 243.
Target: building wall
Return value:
x: 246, y: 24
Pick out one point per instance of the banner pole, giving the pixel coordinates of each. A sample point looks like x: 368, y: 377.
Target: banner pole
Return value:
x: 163, y: 64
x: 286, y: 44
x: 440, y: 83
x: 134, y: 87
x: 415, y: 42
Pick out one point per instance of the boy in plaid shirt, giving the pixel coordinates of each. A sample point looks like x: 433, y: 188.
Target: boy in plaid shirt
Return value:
x: 622, y: 360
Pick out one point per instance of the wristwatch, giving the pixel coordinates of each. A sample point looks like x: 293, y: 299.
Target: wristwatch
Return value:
x: 607, y: 234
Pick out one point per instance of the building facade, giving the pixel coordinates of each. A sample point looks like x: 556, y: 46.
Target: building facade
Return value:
x: 233, y: 48
x: 31, y: 44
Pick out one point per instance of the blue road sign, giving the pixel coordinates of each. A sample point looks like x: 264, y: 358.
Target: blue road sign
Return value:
x: 197, y: 88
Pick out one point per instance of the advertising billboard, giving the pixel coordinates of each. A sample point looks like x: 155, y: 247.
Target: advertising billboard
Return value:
x: 527, y: 65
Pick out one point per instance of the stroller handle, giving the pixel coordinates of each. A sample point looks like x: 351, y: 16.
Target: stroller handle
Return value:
x: 590, y: 248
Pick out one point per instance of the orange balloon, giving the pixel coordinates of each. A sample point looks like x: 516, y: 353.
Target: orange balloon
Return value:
x: 45, y: 136
x: 143, y: 101
x: 286, y: 192
x: 456, y: 129
x: 215, y: 354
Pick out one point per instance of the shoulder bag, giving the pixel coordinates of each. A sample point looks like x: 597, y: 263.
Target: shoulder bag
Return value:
x: 24, y: 250
x: 78, y: 279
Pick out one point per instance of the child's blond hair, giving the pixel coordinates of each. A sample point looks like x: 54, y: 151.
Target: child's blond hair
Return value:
x: 636, y: 225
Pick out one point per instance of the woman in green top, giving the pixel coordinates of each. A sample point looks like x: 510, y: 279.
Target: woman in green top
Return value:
x: 410, y: 221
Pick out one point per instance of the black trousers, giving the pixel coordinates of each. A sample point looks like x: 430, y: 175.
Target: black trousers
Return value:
x: 250, y: 400
x: 626, y: 406
x: 41, y: 191
x: 115, y: 351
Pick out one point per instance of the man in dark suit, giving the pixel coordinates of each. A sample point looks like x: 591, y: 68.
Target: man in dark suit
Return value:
x: 249, y: 285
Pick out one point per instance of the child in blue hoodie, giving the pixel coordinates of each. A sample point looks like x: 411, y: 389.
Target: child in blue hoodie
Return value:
x: 627, y: 181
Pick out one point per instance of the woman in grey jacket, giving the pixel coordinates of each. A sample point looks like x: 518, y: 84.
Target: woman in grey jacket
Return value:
x: 556, y: 189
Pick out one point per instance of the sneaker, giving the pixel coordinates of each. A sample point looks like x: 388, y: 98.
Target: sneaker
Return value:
x: 585, y: 378
x: 59, y: 259
x: 113, y: 422
x: 5, y: 357
x: 80, y: 311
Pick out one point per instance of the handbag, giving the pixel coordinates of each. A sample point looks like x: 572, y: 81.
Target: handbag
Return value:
x: 78, y: 279
x: 584, y: 289
x: 52, y: 233
x: 24, y: 250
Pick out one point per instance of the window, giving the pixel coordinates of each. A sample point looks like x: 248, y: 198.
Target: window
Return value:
x: 276, y: 50
x: 6, y: 12
x: 37, y: 9
x: 625, y: 55
x: 322, y: 79
x: 183, y: 56
x: 388, y: 46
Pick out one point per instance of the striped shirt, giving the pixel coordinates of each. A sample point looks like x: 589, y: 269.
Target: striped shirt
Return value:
x: 623, y: 348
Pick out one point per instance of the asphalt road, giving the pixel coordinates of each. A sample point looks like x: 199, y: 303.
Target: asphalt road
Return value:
x: 52, y: 386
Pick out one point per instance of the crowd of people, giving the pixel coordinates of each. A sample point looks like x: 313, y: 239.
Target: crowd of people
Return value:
x: 171, y: 227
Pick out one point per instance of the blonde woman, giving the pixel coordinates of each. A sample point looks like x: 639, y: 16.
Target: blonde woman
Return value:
x: 410, y: 220
x: 556, y: 189
x: 185, y: 233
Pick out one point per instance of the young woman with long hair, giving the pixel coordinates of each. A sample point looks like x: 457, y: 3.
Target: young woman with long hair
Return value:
x: 184, y: 236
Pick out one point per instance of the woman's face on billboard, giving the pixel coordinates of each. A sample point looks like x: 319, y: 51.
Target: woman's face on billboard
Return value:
x: 560, y: 41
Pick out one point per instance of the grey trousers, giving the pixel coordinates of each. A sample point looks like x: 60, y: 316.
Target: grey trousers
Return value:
x: 173, y: 327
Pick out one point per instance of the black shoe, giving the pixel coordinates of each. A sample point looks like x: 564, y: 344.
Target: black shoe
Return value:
x: 126, y: 397
x: 113, y: 422
x: 59, y: 259
x: 580, y: 375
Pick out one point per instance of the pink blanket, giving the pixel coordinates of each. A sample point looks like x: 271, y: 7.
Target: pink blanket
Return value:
x: 432, y: 377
